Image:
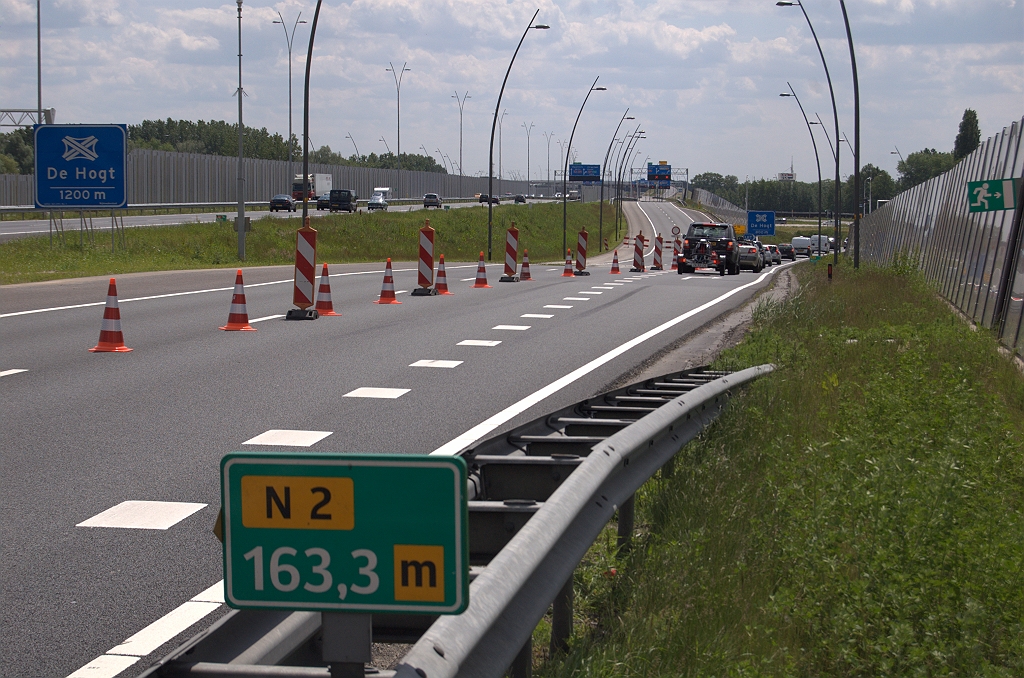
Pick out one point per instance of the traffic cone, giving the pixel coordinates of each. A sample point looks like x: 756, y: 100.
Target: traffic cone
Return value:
x: 481, y: 274
x: 238, y: 317
x: 387, y: 292
x: 524, y: 273
x: 567, y: 271
x: 441, y: 281
x: 615, y: 263
x: 111, y: 339
x: 323, y: 295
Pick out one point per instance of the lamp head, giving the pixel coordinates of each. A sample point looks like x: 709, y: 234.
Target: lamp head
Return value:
x: 600, y: 89
x: 786, y: 3
x: 630, y: 118
x: 239, y: 3
x: 541, y: 27
x: 785, y: 94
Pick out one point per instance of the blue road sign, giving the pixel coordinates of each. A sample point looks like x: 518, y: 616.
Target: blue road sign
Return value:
x: 81, y: 166
x: 659, y: 173
x: 588, y: 174
x: 760, y: 223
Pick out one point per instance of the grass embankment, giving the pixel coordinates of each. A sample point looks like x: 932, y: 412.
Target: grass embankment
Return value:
x: 856, y: 513
x: 341, y: 238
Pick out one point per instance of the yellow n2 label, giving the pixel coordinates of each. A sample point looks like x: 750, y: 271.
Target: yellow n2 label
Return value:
x: 419, y: 573
x: 298, y: 503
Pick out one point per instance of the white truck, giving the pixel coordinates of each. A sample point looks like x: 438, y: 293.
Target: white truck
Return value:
x: 316, y: 185
x: 820, y: 244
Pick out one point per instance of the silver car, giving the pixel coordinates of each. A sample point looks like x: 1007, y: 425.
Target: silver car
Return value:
x: 750, y: 256
x: 776, y: 254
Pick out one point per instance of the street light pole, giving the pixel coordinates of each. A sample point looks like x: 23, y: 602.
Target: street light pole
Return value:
x: 624, y: 153
x: 835, y: 118
x: 39, y: 60
x: 240, y: 221
x: 527, y: 154
x: 494, y: 122
x: 503, y: 114
x: 817, y: 161
x: 289, y: 38
x: 856, y: 138
x: 353, y: 139
x: 385, y: 143
x: 305, y: 115
x: 565, y: 168
x: 462, y: 102
x: 604, y: 170
x: 548, y: 137
x: 398, y: 74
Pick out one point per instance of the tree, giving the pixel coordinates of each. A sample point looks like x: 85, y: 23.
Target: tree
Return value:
x: 17, y: 154
x: 968, y: 137
x: 921, y: 166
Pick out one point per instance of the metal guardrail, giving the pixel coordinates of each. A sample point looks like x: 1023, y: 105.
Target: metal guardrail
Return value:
x: 539, y: 496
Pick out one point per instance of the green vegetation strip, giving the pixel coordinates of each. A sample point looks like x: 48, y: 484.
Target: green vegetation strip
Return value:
x: 342, y: 238
x: 856, y: 513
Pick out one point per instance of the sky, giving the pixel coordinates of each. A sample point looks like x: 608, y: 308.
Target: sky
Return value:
x: 701, y: 77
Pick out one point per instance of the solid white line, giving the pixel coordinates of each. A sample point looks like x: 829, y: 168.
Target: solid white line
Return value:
x: 511, y: 327
x: 536, y: 315
x: 105, y: 666
x: 556, y: 306
x: 164, y: 629
x: 266, y: 317
x: 7, y: 373
x: 483, y: 428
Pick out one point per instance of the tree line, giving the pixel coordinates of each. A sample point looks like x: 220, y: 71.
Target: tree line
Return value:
x: 802, y: 196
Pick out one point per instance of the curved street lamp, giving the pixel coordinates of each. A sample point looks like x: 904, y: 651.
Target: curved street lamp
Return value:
x: 817, y: 161
x: 494, y: 122
x: 398, y: 73
x: 565, y: 168
x: 527, y: 153
x: 625, y: 150
x: 604, y: 170
x: 549, y: 136
x: 289, y: 38
x: 462, y: 103
x: 353, y: 139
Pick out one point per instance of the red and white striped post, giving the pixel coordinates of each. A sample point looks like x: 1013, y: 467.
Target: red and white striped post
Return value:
x: 425, y: 276
x: 305, y: 274
x: 638, y: 254
x: 675, y: 255
x: 511, y: 255
x: 581, y: 253
x: 659, y: 244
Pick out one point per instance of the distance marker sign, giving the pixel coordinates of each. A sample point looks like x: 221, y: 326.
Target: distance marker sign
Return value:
x: 81, y: 166
x: 345, y: 532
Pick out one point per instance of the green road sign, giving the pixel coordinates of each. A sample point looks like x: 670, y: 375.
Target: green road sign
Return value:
x: 345, y: 532
x: 992, y: 195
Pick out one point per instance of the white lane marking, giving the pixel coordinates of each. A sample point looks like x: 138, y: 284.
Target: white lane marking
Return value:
x: 214, y: 594
x: 105, y: 666
x: 653, y: 229
x: 551, y: 269
x: 463, y: 279
x: 616, y: 284
x: 164, y: 629
x: 477, y: 342
x: 519, y: 328
x: 589, y: 292
x: 143, y: 515
x: 183, y: 294
x: 437, y: 363
x: 290, y: 437
x: 401, y: 291
x: 7, y: 373
x: 556, y: 306
x: 374, y: 392
x: 266, y: 317
x: 575, y: 298
x: 483, y: 428
x: 536, y: 315
x: 602, y: 287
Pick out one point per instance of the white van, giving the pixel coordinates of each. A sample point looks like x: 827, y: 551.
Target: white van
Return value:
x: 802, y: 246
x: 820, y: 244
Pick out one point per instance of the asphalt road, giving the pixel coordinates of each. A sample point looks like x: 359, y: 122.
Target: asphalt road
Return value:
x: 84, y: 432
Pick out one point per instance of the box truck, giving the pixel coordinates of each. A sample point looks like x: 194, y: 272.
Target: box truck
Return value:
x: 316, y: 185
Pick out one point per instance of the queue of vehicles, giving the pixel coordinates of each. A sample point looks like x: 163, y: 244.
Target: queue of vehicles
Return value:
x: 716, y: 246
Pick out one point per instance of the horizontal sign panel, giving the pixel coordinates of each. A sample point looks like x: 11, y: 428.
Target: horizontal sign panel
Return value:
x: 659, y: 172
x: 580, y: 172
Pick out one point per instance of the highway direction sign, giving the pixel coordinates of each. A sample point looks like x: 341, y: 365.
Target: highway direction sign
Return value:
x: 588, y: 174
x: 760, y: 223
x: 345, y: 532
x: 659, y: 175
x: 992, y: 195
x: 81, y: 166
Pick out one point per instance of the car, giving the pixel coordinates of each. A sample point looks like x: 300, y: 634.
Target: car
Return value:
x: 766, y: 256
x: 484, y: 198
x: 343, y: 199
x: 558, y: 195
x: 431, y: 200
x: 750, y: 256
x: 709, y: 245
x: 520, y: 199
x: 324, y: 202
x: 776, y: 255
x: 787, y: 251
x: 495, y: 200
x: 802, y: 245
x: 377, y: 202
x: 282, y: 201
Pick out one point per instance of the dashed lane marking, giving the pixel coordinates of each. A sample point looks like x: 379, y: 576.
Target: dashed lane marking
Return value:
x: 290, y: 437
x: 466, y: 279
x: 602, y: 287
x: 7, y: 373
x: 536, y: 315
x: 266, y: 317
x: 590, y: 293
x: 518, y: 328
x: 615, y: 284
x: 477, y: 342
x: 374, y: 392
x: 143, y: 515
x: 556, y: 306
x: 437, y: 363
x: 575, y: 298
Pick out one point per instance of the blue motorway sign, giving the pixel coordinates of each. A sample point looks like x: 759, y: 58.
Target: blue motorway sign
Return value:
x: 660, y: 173
x: 588, y: 174
x: 760, y: 223
x: 81, y: 166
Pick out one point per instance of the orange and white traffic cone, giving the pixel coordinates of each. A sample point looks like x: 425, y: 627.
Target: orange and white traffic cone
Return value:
x: 111, y: 339
x: 441, y: 281
x: 524, y: 273
x: 481, y: 274
x: 615, y: 263
x: 323, y: 295
x: 387, y: 292
x: 238, y: 317
x: 567, y: 271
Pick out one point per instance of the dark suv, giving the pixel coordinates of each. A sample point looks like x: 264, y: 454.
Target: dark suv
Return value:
x: 343, y: 199
x: 708, y: 245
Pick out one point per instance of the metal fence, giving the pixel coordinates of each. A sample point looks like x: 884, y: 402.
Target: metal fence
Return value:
x: 975, y: 259
x: 170, y: 177
x: 722, y: 208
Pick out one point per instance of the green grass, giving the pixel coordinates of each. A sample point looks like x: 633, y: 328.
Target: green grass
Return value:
x: 461, y: 235
x: 856, y: 513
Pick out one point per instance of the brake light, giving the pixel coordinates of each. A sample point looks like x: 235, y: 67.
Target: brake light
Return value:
x: 686, y: 243
x: 729, y: 246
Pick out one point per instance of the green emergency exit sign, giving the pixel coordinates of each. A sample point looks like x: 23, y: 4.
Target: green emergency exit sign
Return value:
x: 993, y: 195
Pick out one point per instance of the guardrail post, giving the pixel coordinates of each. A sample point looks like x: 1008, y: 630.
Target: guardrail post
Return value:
x: 522, y: 665
x: 561, y: 617
x: 347, y: 642
x: 626, y: 524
